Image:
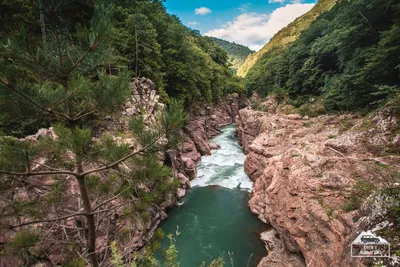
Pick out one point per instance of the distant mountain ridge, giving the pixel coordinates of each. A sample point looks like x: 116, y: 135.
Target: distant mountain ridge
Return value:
x: 288, y: 34
x: 237, y: 52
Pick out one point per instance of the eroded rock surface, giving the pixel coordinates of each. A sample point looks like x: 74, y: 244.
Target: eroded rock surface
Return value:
x: 305, y: 172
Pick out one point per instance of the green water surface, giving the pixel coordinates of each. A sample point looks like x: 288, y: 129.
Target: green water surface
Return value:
x: 214, y: 220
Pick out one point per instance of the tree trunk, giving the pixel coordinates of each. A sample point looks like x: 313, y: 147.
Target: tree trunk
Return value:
x: 91, y: 238
x: 42, y: 24
x: 137, y: 54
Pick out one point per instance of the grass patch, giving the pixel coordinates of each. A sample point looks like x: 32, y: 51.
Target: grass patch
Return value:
x: 328, y: 210
x: 311, y: 109
x: 346, y: 124
x: 258, y: 106
x: 360, y: 192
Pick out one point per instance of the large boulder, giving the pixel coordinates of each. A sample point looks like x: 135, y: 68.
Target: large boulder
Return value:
x: 189, y: 168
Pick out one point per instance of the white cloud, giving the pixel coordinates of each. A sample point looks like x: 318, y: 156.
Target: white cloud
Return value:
x: 202, y: 11
x: 276, y: 1
x: 193, y: 23
x: 255, y: 30
x: 244, y: 7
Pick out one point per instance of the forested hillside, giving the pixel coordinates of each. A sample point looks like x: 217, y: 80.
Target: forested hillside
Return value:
x: 287, y: 34
x: 145, y: 40
x: 237, y: 53
x: 349, y: 58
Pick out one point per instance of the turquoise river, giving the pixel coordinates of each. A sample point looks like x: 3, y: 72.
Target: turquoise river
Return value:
x: 214, y: 220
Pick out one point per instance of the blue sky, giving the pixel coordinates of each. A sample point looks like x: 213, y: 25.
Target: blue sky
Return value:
x: 251, y: 23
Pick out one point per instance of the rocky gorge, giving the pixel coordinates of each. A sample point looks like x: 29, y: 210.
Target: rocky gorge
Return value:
x: 311, y: 177
x: 320, y: 181
x: 204, y: 123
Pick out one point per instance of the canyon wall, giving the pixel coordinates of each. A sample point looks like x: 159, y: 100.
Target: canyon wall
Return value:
x: 309, y: 175
x: 203, y: 123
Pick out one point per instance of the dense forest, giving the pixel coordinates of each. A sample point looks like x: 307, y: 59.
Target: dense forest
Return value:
x: 288, y: 34
x: 349, y: 57
x: 237, y: 53
x: 144, y: 39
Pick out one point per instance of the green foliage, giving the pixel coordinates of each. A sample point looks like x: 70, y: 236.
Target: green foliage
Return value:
x: 143, y: 38
x: 287, y: 35
x: 43, y: 78
x: 311, y: 109
x: 215, y: 263
x: 76, y: 262
x: 360, y: 192
x: 393, y: 195
x: 136, y: 40
x: 116, y: 257
x: 182, y: 63
x: 349, y: 57
x: 146, y: 257
x: 22, y: 243
x: 237, y: 53
x: 171, y: 254
x: 270, y: 74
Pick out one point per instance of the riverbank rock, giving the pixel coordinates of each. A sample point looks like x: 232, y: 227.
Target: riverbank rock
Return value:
x: 184, y: 181
x: 189, y: 168
x: 277, y: 255
x: 181, y: 193
x: 306, y: 174
x: 214, y: 146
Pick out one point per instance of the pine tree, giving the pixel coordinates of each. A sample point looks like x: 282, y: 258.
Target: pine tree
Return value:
x: 64, y: 80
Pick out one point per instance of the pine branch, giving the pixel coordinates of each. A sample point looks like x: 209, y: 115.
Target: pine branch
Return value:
x: 48, y: 167
x: 91, y: 48
x: 68, y: 216
x: 32, y: 57
x: 47, y: 220
x: 27, y: 98
x: 81, y: 114
x: 27, y: 173
x: 69, y: 95
x: 107, y: 201
x: 109, y: 166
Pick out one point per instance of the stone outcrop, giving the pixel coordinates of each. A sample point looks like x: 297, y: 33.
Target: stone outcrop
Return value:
x: 305, y: 171
x: 205, y: 122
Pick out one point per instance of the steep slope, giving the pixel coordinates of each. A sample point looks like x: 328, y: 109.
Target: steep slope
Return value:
x: 348, y: 59
x: 287, y: 34
x: 237, y: 53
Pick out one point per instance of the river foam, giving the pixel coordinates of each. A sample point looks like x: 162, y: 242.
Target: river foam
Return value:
x: 225, y: 166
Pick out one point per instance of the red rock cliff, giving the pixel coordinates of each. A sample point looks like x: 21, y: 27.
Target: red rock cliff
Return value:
x: 305, y: 172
